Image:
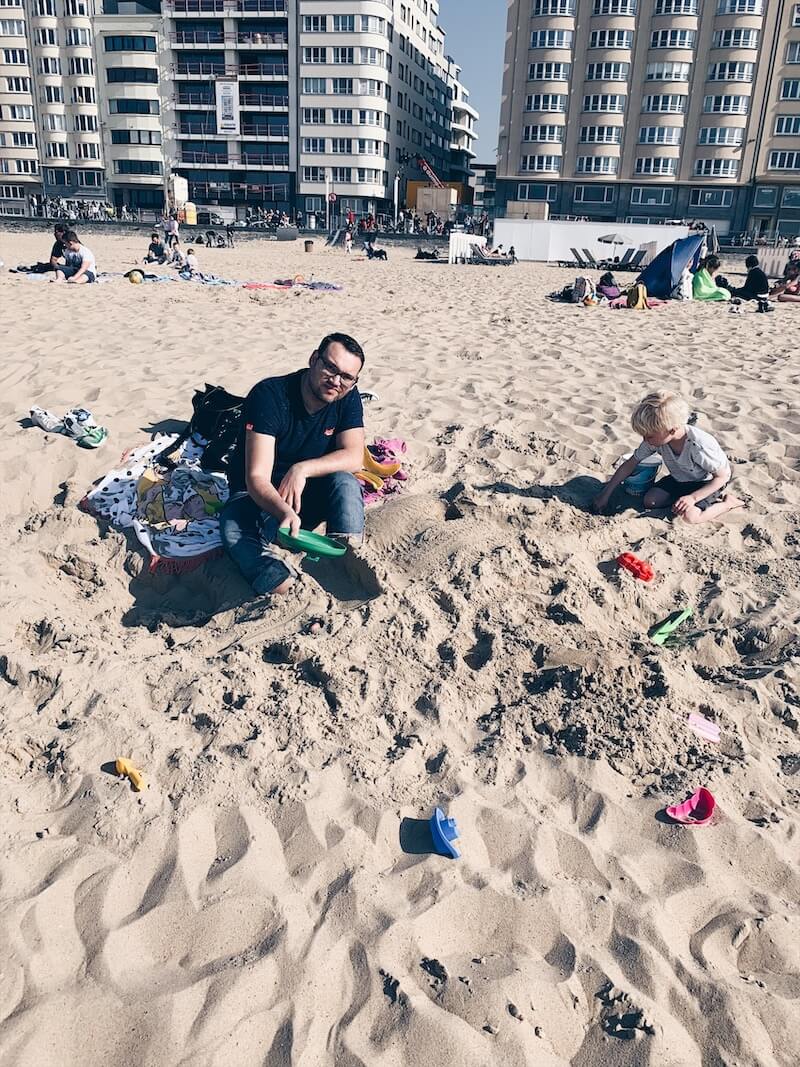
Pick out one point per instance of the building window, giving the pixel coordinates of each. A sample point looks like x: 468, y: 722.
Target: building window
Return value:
x: 54, y: 123
x: 313, y: 174
x: 726, y: 105
x: 593, y: 194
x: 27, y: 166
x: 342, y: 86
x: 601, y: 134
x: 89, y: 179
x: 766, y: 197
x: 793, y: 52
x: 45, y: 7
x: 85, y: 123
x: 597, y: 165
x: 77, y: 37
x: 545, y: 102
x: 532, y: 191
x: 83, y: 94
x: 676, y: 7
x: 136, y: 136
x: 344, y: 24
x: 20, y: 112
x: 710, y: 197
x: 76, y: 7
x: 780, y: 160
x: 343, y: 55
x: 656, y: 165
x: 46, y: 35
x: 716, y: 168
x: 728, y: 135
x: 607, y: 72
x: 796, y: 15
x: 611, y: 39
x: 549, y: 72
x: 540, y: 163
x: 133, y: 107
x: 790, y: 89
x: 737, y: 38
x: 314, y: 145
x: 791, y: 198
x: 673, y: 38
x: 740, y: 7
x: 660, y: 134
x: 18, y: 85
x: 134, y: 43
x: 730, y: 72
x: 52, y: 94
x: 16, y: 28
x: 137, y: 75
x: 342, y: 116
x: 87, y: 150
x: 15, y: 57
x: 551, y: 39
x: 341, y: 174
x: 315, y: 86
x: 12, y: 192
x: 552, y: 134
x: 610, y: 103
x: 23, y: 139
x: 614, y: 7
x: 56, y: 176
x: 137, y: 166
x: 81, y: 65
x: 668, y: 72
x: 787, y: 126
x: 664, y: 103
x: 553, y: 7
x: 49, y: 65
x: 651, y: 196
x: 57, y: 150
x: 315, y: 23
x: 315, y: 55
x: 314, y: 116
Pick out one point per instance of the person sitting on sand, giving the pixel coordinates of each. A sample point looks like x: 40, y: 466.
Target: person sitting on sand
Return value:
x: 80, y: 267
x: 788, y: 290
x: 703, y: 285
x: 698, y: 468
x: 756, y: 286
x: 607, y: 287
x: 302, y: 440
x: 156, y: 253
x: 190, y: 263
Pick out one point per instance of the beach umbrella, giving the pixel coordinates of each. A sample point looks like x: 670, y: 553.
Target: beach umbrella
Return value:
x: 614, y: 239
x: 713, y: 241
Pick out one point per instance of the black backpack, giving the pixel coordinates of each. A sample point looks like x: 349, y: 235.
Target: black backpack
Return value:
x: 217, y: 417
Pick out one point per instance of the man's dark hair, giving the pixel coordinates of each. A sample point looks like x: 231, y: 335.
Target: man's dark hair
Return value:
x: 70, y: 235
x: 343, y: 339
x: 59, y: 228
x: 154, y: 234
x: 751, y: 261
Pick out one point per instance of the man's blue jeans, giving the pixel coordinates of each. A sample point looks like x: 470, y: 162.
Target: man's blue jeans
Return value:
x: 248, y: 533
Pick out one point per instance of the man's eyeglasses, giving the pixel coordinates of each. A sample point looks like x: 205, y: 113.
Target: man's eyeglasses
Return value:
x: 330, y: 370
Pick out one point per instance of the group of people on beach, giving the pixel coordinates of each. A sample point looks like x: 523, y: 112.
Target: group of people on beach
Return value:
x: 301, y: 442
x: 707, y: 286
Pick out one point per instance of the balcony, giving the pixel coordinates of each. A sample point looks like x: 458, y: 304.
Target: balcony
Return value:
x: 192, y: 68
x: 246, y: 159
x: 237, y: 192
x: 264, y: 101
x: 259, y: 132
x: 263, y: 70
x: 203, y: 38
x: 195, y: 100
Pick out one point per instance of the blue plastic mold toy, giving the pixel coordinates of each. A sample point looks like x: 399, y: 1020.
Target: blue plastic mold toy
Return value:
x: 444, y: 831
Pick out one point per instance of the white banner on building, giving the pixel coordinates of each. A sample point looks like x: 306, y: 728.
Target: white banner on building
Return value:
x: 227, y: 106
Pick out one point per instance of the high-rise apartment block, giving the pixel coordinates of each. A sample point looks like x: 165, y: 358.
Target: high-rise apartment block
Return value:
x: 283, y: 103
x: 652, y: 110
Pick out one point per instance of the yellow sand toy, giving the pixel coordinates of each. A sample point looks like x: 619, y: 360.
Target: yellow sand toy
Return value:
x: 127, y: 769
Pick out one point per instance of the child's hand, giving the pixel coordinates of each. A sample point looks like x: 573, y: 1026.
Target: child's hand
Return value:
x: 682, y: 505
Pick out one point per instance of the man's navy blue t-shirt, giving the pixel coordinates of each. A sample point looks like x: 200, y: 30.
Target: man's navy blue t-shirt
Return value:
x: 275, y: 407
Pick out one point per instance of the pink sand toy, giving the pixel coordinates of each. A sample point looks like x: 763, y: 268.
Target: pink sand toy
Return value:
x: 696, y: 811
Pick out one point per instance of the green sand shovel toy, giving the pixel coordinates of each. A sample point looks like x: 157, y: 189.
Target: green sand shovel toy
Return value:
x: 314, y: 545
x: 660, y: 633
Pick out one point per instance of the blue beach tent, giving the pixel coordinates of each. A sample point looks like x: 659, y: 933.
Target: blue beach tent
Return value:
x: 663, y: 276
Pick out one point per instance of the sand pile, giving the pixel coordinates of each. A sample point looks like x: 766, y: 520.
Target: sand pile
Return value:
x: 262, y: 902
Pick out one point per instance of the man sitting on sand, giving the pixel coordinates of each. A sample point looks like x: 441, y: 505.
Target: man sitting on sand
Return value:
x: 698, y: 468
x: 80, y: 267
x: 156, y: 253
x: 302, y: 440
x: 756, y: 285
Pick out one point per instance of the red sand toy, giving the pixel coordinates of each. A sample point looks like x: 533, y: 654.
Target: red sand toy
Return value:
x: 637, y: 567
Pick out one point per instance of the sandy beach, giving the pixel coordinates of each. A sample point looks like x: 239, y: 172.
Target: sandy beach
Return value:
x: 261, y: 903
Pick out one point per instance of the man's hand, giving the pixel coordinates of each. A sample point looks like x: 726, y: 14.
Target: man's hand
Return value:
x: 682, y: 505
x: 291, y: 488
x: 600, y: 502
x: 292, y: 520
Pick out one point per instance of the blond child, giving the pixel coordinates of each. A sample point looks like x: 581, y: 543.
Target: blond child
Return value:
x: 698, y: 468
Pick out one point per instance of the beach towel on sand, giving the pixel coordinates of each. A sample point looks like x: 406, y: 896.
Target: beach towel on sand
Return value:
x: 173, y: 512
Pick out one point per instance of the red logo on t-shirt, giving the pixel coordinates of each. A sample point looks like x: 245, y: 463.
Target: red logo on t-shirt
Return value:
x: 248, y: 426
x: 329, y: 432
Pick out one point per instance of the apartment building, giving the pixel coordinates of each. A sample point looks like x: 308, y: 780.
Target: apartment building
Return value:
x: 286, y: 103
x: 653, y: 110
x: 485, y: 189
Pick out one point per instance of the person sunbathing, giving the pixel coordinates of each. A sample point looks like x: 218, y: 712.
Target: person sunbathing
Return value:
x: 788, y: 290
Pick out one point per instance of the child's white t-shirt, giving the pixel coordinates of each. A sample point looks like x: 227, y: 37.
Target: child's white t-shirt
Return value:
x: 702, y: 456
x: 87, y: 258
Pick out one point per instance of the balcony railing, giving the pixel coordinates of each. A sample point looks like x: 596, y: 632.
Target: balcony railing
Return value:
x: 263, y: 100
x: 248, y: 130
x: 209, y: 129
x: 246, y: 159
x: 230, y: 7
x: 197, y: 99
x: 203, y: 37
x: 219, y: 70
